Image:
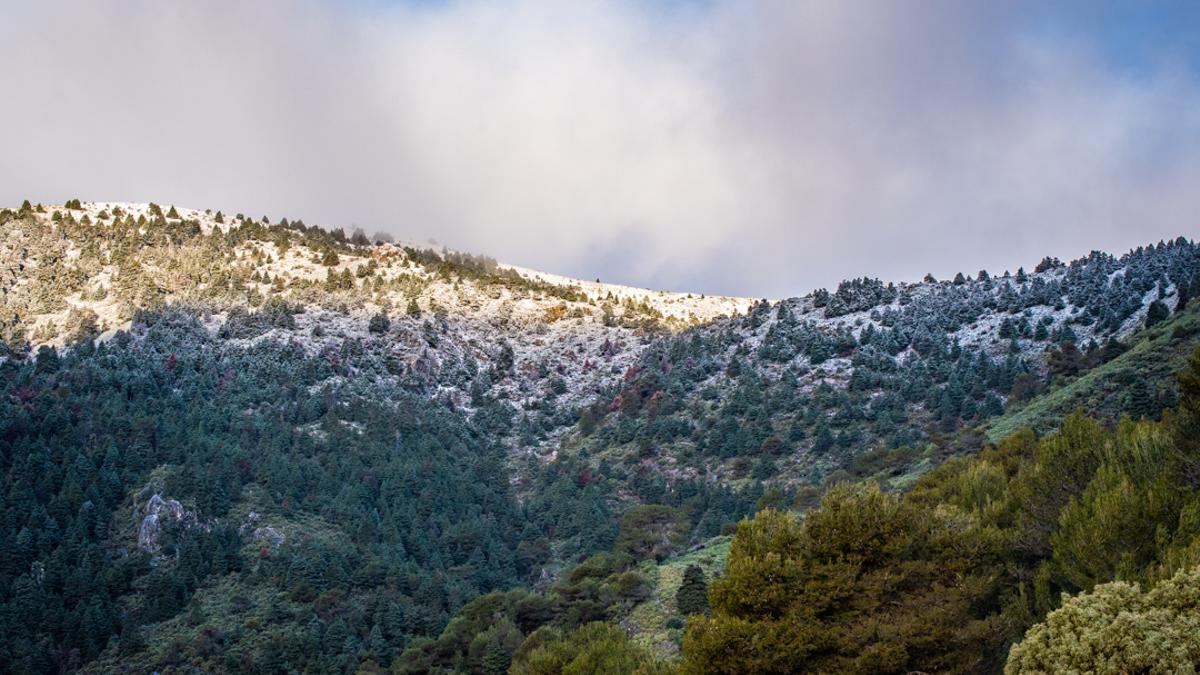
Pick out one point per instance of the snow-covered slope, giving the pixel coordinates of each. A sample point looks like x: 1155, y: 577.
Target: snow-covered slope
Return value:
x: 470, y: 332
x: 89, y: 270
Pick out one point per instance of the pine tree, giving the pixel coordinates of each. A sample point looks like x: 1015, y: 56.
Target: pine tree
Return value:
x: 822, y: 439
x: 1008, y: 329
x: 1157, y: 312
x: 1142, y: 403
x: 692, y: 596
x: 378, y: 324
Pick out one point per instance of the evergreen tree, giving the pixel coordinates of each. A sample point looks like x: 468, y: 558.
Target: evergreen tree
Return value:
x: 378, y: 324
x: 1157, y: 312
x: 1142, y: 403
x: 822, y: 439
x: 692, y: 596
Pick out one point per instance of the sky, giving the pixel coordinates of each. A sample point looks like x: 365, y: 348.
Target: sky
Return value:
x: 745, y: 148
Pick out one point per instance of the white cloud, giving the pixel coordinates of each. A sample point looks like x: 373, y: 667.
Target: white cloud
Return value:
x: 760, y: 148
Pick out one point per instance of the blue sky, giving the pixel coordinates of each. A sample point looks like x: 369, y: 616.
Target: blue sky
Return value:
x: 1134, y: 37
x: 758, y: 147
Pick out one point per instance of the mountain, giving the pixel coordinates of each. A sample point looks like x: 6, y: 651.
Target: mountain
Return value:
x: 233, y: 444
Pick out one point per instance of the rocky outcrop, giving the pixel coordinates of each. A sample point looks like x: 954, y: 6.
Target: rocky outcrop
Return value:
x: 266, y: 534
x: 269, y: 535
x: 156, y: 512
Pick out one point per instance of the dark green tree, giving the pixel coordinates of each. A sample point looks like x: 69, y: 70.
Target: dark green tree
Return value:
x: 1156, y: 313
x: 379, y: 323
x: 692, y: 596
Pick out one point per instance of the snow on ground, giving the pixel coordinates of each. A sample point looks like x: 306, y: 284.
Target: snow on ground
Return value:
x: 690, y: 307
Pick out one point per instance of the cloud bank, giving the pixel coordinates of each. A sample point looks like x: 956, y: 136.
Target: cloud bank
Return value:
x: 759, y: 148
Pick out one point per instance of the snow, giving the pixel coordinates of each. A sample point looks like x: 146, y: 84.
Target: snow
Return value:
x: 684, y: 306
x: 572, y: 340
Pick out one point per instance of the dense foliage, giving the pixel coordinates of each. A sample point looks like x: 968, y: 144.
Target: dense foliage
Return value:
x: 867, y: 583
x: 945, y: 577
x: 396, y: 510
x: 425, y: 524
x: 799, y: 388
x: 1118, y: 628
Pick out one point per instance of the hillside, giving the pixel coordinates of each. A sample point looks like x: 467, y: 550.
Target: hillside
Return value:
x: 795, y: 390
x: 230, y: 444
x: 1137, y: 382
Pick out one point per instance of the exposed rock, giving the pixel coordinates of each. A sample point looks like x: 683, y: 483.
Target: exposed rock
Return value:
x: 270, y: 535
x: 155, y: 511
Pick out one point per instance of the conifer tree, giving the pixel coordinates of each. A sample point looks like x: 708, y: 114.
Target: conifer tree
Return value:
x: 692, y: 596
x: 1157, y: 312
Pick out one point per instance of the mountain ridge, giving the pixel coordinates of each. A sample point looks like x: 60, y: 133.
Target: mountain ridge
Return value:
x: 600, y: 349
x: 357, y: 438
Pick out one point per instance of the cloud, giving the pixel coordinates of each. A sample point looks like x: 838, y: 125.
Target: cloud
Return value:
x: 761, y: 148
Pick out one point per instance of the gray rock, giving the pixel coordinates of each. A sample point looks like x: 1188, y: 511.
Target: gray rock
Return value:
x: 269, y: 534
x: 155, y: 511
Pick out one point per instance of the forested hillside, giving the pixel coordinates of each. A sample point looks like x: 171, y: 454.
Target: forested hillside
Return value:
x: 235, y: 445
x: 796, y: 388
x: 1049, y: 543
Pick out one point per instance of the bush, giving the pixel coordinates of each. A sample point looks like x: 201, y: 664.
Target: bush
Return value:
x: 1118, y: 629
x: 652, y: 531
x: 594, y: 648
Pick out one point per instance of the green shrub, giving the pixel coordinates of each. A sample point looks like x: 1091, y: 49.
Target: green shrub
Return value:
x: 1117, y: 628
x: 865, y: 583
x: 594, y: 648
x: 652, y: 531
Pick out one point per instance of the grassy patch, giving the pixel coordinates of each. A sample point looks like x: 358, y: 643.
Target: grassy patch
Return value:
x: 647, y: 622
x: 1156, y: 355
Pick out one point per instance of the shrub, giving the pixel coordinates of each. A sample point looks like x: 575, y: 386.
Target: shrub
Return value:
x: 1118, y: 629
x: 594, y: 648
x: 652, y: 531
